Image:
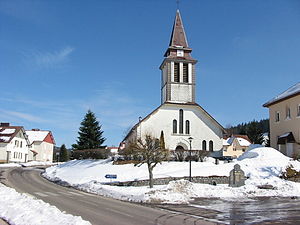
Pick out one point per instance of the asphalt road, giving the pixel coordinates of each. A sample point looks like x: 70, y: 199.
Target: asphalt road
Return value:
x: 93, y: 208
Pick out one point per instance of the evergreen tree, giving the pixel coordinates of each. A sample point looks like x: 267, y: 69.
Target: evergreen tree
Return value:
x: 254, y: 132
x: 90, y: 133
x: 63, y: 154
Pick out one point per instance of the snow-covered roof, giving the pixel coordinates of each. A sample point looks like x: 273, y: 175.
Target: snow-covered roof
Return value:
x: 242, y: 141
x: 8, y: 131
x: 4, y: 138
x: 292, y: 91
x: 36, y: 135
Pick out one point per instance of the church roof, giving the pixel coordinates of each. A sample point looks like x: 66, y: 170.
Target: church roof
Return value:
x: 171, y: 103
x: 178, y: 37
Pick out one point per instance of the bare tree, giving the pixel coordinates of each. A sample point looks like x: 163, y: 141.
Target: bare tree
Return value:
x: 149, y: 151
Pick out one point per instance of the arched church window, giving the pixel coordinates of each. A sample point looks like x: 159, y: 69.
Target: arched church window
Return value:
x: 187, y: 127
x: 181, y: 121
x: 204, y: 145
x: 185, y: 73
x: 211, y: 145
x: 176, y: 72
x: 174, y: 126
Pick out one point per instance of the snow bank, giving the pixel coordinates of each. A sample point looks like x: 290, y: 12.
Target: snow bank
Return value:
x: 10, y: 165
x: 262, y: 166
x: 22, y: 209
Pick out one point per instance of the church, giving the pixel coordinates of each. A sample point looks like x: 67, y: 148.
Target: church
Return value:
x: 185, y: 124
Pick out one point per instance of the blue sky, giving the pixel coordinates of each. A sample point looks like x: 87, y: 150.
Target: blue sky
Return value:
x: 60, y: 58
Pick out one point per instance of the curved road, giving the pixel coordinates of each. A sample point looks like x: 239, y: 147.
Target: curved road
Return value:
x: 93, y: 208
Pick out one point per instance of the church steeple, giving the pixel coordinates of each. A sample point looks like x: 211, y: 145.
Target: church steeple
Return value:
x: 178, y: 67
x: 178, y: 37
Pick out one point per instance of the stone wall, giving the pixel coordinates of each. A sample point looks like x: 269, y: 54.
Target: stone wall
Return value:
x: 214, y: 180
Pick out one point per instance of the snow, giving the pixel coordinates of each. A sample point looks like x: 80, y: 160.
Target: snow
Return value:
x: 291, y: 91
x: 8, y: 131
x: 284, y: 135
x: 36, y: 135
x: 28, y: 164
x: 21, y: 209
x: 4, y: 138
x: 243, y: 142
x: 261, y: 165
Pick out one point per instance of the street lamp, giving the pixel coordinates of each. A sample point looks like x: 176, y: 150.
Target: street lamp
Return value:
x: 190, y: 140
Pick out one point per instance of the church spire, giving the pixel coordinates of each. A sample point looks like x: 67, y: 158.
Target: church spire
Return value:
x: 178, y: 40
x: 178, y: 37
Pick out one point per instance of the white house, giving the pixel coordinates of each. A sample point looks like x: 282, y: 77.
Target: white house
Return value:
x: 41, y: 145
x: 13, y: 144
x: 185, y: 124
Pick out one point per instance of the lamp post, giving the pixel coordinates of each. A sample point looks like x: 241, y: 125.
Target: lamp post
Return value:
x: 190, y: 140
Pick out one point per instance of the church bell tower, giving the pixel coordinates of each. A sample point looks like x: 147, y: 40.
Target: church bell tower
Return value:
x: 178, y: 68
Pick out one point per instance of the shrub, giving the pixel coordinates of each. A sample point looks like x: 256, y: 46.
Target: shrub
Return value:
x: 101, y: 153
x: 290, y: 173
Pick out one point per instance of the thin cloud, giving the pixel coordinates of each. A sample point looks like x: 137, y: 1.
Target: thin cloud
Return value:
x: 49, y: 59
x: 24, y: 116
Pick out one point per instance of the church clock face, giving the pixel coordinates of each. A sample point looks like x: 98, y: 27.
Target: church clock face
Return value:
x: 180, y: 53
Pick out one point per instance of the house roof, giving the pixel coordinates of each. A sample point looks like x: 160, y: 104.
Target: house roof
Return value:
x: 242, y: 139
x: 171, y: 103
x: 39, y: 135
x: 7, y: 133
x: 289, y: 93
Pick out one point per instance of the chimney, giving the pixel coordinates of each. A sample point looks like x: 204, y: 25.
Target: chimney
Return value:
x: 4, y: 124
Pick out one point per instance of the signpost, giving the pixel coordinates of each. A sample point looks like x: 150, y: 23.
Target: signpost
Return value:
x: 111, y: 176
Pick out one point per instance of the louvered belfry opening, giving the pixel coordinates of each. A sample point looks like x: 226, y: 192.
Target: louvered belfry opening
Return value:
x: 185, y: 73
x: 176, y: 72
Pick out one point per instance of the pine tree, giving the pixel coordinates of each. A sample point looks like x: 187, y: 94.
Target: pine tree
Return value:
x: 254, y: 132
x: 63, y: 154
x: 90, y: 133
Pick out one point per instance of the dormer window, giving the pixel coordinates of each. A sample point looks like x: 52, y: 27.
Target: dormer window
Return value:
x: 180, y: 53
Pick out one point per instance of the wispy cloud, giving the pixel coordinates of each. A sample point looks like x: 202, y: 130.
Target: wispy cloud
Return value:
x: 49, y: 59
x: 23, y: 116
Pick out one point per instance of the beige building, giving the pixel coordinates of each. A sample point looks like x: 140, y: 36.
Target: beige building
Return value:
x: 284, y: 113
x: 235, y: 145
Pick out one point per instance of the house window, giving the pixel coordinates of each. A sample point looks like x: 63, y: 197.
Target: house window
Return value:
x: 181, y: 121
x: 176, y: 72
x: 185, y: 73
x: 174, y: 126
x: 187, y: 127
x: 277, y: 116
x: 203, y: 145
x: 21, y: 143
x: 211, y: 146
x: 288, y: 113
x: 298, y: 110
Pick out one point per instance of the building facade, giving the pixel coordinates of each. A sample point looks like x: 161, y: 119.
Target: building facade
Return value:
x: 284, y: 117
x: 14, y: 144
x: 41, y: 145
x: 235, y: 145
x: 179, y: 117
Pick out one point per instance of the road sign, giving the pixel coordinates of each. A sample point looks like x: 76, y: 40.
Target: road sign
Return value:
x: 111, y: 176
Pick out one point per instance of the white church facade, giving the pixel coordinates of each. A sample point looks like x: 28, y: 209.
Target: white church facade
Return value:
x: 184, y: 123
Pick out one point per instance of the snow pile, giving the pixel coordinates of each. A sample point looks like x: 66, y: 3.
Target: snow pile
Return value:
x: 10, y: 165
x: 262, y: 166
x: 20, y: 209
x: 36, y: 163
